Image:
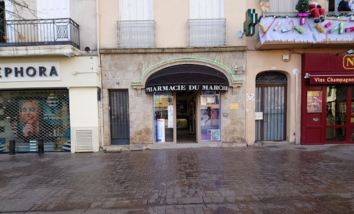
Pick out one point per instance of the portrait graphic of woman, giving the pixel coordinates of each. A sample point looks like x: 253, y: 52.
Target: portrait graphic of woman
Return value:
x: 29, y: 118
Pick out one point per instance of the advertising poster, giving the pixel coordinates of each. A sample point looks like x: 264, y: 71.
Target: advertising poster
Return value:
x: 314, y: 101
x: 160, y: 130
x: 33, y: 115
x: 215, y: 134
x: 170, y: 116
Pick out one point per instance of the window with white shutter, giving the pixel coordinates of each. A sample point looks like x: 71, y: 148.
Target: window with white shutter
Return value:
x: 136, y: 25
x: 206, y: 9
x: 136, y: 10
x: 282, y: 6
x: 207, y: 25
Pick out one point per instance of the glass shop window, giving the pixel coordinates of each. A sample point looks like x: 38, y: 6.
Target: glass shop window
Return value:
x: 210, y: 116
x: 163, y: 111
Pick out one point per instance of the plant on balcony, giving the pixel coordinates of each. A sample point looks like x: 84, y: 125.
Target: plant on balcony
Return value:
x: 19, y: 7
x: 302, y: 6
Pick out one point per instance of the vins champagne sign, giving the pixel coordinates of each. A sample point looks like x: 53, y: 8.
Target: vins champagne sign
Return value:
x: 28, y: 72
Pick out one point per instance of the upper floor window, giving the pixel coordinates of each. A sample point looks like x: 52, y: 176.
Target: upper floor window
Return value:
x: 206, y: 9
x: 130, y: 10
x: 206, y: 24
x: 282, y: 6
x: 136, y: 25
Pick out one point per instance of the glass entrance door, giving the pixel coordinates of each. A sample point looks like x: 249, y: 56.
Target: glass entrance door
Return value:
x: 339, y: 114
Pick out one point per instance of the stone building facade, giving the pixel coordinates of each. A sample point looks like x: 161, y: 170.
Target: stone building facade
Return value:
x: 129, y: 71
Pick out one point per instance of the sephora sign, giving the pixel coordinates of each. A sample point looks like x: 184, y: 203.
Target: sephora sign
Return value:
x: 26, y: 72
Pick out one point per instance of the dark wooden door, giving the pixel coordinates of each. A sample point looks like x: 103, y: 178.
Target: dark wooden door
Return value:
x: 119, y: 115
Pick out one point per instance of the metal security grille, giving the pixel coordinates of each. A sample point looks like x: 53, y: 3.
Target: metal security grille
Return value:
x: 207, y: 32
x: 271, y: 100
x: 119, y: 113
x: 26, y: 116
x: 136, y: 34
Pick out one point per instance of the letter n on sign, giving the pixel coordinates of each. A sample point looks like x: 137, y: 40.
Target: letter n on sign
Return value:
x: 348, y: 62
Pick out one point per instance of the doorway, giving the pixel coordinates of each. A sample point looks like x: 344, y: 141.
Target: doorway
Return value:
x: 271, y: 100
x: 186, y: 117
x: 328, y: 114
x: 119, y: 117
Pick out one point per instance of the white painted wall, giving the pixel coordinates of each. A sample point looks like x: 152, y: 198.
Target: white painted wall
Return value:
x: 84, y: 114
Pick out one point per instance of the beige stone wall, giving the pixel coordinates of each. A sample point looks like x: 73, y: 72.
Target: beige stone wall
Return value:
x: 119, y: 70
x: 171, y: 22
x: 260, y: 61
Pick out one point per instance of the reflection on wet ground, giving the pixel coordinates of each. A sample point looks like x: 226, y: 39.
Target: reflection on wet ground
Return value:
x: 279, y: 179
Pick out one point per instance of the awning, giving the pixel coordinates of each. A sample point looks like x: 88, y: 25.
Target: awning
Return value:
x: 187, y: 78
x: 331, y: 79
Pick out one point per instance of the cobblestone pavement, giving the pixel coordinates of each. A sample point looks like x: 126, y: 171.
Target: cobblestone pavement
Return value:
x: 273, y: 179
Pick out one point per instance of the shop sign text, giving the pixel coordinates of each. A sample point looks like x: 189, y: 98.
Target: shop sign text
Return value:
x: 332, y: 80
x: 164, y: 88
x: 348, y: 62
x: 23, y: 72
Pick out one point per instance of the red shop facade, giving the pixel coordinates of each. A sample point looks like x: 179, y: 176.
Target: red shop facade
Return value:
x: 327, y: 111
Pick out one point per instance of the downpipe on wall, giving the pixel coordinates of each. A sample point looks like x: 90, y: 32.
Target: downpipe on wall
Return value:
x: 296, y: 73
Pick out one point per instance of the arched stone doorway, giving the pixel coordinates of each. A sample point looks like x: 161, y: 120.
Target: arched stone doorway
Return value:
x: 271, y: 99
x: 187, y: 103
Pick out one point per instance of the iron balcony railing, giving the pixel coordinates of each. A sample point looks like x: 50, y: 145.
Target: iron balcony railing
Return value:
x: 39, y: 32
x: 136, y: 34
x: 207, y: 32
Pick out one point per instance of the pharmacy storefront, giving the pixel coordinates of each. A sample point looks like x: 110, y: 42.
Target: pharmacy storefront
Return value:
x: 39, y: 100
x: 327, y: 99
x: 181, y: 105
x: 187, y: 103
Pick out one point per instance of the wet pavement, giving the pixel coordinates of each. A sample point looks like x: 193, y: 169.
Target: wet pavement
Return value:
x: 273, y: 179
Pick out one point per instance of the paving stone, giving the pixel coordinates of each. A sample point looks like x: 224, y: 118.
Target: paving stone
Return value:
x: 201, y: 180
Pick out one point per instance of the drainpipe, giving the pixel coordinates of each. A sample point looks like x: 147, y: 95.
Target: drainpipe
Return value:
x: 296, y: 72
x: 100, y: 71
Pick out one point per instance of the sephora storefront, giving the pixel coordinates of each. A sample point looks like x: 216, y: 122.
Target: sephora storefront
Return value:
x: 327, y: 99
x: 29, y: 115
x: 41, y: 98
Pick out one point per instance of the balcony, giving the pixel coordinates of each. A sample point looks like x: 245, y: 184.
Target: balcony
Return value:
x: 207, y: 32
x: 312, y: 36
x: 37, y: 36
x: 136, y: 34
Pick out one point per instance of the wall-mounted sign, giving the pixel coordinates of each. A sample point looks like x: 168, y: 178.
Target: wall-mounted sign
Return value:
x: 259, y: 115
x: 250, y: 97
x: 335, y: 79
x: 234, y: 106
x: 348, y: 62
x: 26, y: 72
x: 182, y: 87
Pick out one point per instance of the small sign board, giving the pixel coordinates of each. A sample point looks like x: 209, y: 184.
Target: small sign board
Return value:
x: 234, y: 106
x: 250, y: 97
x: 259, y: 115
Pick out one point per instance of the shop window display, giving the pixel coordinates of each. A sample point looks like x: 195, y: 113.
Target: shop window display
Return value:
x: 35, y: 114
x: 163, y: 112
x: 210, y: 116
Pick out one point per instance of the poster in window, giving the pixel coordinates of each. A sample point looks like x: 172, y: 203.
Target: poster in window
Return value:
x: 314, y: 101
x: 215, y: 134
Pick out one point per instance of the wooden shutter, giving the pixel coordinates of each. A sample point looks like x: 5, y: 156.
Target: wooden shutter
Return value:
x: 53, y: 9
x: 135, y: 10
x: 282, y: 5
x: 206, y: 9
